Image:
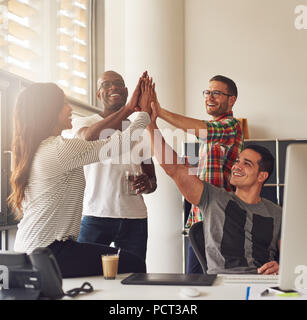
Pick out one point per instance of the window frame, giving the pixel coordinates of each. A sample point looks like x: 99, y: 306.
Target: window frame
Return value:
x: 95, y: 52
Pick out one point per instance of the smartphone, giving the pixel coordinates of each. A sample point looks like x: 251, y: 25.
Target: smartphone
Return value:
x: 278, y: 290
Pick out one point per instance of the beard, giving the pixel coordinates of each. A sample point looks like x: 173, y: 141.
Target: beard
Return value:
x: 216, y: 112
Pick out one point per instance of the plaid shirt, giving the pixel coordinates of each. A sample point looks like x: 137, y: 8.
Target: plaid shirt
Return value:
x: 217, y: 155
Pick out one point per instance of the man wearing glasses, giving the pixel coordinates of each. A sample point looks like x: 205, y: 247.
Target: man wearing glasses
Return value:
x: 221, y: 141
x: 109, y: 214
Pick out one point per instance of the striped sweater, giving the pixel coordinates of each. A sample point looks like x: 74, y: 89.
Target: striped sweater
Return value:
x: 52, y: 206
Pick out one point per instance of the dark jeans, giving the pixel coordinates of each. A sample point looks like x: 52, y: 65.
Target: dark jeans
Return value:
x: 128, y: 234
x: 77, y: 259
x: 193, y: 263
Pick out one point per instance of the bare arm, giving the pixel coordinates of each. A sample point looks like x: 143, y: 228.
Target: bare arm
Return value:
x: 146, y: 182
x: 113, y: 121
x: 189, y: 185
x: 191, y: 125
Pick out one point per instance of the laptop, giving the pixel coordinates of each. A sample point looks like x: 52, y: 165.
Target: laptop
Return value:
x: 293, y: 253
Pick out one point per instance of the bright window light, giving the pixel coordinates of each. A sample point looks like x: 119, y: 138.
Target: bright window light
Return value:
x: 23, y: 21
x: 18, y: 42
x: 34, y: 48
x: 18, y: 63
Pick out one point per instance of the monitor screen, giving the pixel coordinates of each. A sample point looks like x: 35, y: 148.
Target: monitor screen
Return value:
x: 293, y: 253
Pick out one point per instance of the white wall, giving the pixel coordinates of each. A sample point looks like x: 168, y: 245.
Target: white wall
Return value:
x: 115, y: 35
x: 255, y: 43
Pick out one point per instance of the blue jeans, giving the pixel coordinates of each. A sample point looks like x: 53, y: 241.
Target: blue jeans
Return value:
x: 128, y: 234
x: 193, y: 265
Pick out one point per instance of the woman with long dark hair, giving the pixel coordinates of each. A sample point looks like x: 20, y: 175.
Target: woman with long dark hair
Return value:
x: 48, y: 181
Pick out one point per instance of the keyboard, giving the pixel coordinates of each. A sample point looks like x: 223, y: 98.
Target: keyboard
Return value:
x: 248, y: 278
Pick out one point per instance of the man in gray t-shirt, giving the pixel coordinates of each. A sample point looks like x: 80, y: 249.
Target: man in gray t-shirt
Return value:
x: 239, y: 237
x: 242, y: 230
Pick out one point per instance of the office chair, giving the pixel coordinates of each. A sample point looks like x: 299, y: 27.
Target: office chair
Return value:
x: 196, y: 236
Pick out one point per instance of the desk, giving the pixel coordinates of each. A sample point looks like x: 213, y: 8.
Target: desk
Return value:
x: 153, y: 302
x: 114, y: 290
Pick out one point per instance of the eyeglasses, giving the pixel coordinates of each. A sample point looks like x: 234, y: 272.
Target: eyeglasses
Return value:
x: 116, y: 83
x: 215, y: 93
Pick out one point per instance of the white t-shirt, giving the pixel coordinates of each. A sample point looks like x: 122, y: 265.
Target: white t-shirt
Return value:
x: 104, y: 194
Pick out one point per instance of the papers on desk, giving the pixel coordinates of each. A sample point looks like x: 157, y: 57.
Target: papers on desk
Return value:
x: 254, y: 293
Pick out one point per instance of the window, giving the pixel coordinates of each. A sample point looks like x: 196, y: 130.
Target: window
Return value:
x: 48, y: 40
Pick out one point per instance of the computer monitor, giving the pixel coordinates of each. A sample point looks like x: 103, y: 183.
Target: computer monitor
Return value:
x: 293, y: 252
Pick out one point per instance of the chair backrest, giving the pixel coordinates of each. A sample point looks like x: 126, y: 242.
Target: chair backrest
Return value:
x: 196, y: 236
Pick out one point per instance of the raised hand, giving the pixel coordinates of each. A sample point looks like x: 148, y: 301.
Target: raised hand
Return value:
x: 133, y: 103
x: 155, y: 106
x: 146, y: 94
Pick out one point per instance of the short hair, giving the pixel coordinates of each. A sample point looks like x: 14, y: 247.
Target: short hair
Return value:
x: 267, y: 160
x: 232, y: 87
x: 100, y: 81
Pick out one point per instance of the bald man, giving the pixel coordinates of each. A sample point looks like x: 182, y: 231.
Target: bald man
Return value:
x: 109, y: 214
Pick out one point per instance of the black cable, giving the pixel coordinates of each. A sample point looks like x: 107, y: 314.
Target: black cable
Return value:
x: 86, y: 287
